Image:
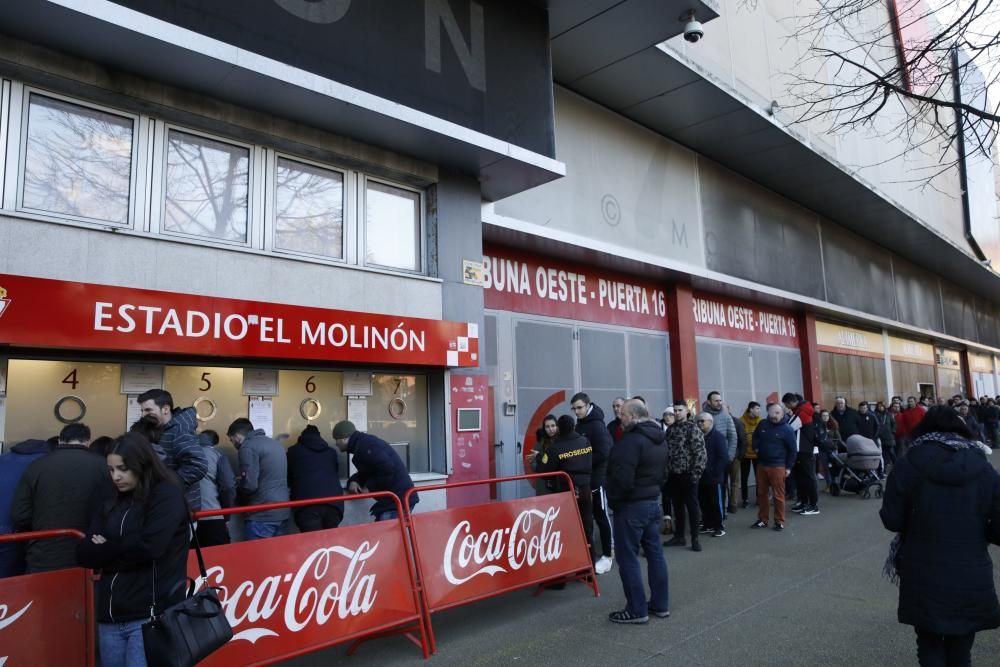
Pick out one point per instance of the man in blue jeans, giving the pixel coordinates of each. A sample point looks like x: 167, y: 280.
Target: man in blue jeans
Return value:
x: 636, y: 471
x: 263, y: 479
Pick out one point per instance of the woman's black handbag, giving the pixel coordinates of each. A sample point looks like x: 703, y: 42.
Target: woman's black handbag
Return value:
x: 189, y: 631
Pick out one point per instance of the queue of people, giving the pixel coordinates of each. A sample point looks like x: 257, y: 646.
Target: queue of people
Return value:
x: 134, y: 497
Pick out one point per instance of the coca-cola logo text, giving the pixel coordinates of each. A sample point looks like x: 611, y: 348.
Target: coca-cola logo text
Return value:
x: 528, y: 540
x: 305, y: 597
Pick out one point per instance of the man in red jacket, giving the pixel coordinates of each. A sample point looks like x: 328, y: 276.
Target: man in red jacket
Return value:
x: 805, y: 463
x: 908, y: 420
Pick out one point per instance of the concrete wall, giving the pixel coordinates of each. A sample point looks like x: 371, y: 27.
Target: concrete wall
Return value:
x: 52, y: 250
x: 732, y: 226
x: 625, y: 186
x: 753, y: 50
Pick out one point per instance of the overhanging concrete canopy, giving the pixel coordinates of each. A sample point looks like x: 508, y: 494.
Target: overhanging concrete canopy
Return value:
x: 656, y: 89
x: 113, y: 35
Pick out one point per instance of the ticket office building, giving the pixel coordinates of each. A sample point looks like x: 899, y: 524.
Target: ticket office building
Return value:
x: 200, y: 162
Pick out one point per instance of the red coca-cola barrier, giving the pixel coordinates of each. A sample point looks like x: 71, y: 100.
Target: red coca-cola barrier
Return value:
x: 475, y: 552
x: 297, y: 594
x: 36, y: 609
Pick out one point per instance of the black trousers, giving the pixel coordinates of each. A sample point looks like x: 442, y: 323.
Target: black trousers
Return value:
x: 805, y: 479
x: 941, y: 651
x: 212, y: 532
x: 712, y: 500
x: 585, y: 501
x: 599, y: 502
x: 745, y: 465
x: 665, y: 499
x: 684, y: 496
x: 317, y: 517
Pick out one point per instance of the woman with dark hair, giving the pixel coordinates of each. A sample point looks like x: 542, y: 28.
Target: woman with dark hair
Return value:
x: 544, y: 437
x: 943, y: 501
x: 831, y: 444
x: 571, y: 453
x: 139, y: 542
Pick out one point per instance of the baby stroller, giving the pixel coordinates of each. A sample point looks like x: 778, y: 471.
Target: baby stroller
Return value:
x: 854, y: 470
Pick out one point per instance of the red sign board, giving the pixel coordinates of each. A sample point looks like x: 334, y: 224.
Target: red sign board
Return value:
x: 288, y: 595
x: 36, y: 609
x: 53, y: 313
x: 474, y: 552
x: 719, y: 317
x: 470, y: 446
x: 525, y: 283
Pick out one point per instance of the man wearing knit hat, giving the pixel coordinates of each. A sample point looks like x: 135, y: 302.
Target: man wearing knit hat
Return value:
x: 379, y: 468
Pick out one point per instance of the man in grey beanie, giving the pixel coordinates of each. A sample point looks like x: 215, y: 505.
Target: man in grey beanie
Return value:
x: 379, y: 468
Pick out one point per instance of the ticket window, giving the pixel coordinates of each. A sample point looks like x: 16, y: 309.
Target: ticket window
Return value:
x: 85, y: 392
x: 397, y: 413
x: 215, y: 392
x: 309, y: 397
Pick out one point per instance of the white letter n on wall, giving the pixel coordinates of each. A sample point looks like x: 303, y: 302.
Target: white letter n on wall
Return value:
x: 472, y: 56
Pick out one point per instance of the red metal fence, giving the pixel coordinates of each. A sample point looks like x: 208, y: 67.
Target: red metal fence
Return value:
x: 296, y: 594
x: 47, y: 618
x: 475, y: 552
x: 292, y: 595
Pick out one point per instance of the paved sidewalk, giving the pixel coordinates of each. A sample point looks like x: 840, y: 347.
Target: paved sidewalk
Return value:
x: 812, y: 595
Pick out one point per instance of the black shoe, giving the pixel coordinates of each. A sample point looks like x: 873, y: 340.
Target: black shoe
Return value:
x: 696, y: 546
x: 798, y: 508
x: 810, y: 511
x: 779, y: 527
x: 624, y: 616
x: 759, y: 524
x: 676, y: 542
x: 704, y: 529
x: 659, y: 613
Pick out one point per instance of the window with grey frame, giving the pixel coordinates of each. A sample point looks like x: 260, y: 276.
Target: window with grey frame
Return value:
x: 87, y: 164
x: 206, y: 188
x: 77, y: 161
x: 309, y: 209
x: 393, y: 227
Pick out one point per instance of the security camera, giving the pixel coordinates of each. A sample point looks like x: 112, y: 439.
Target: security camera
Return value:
x: 693, y: 30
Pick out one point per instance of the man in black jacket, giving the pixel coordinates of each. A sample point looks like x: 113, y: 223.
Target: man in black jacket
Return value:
x: 615, y: 425
x: 314, y: 472
x: 867, y: 425
x: 62, y: 489
x: 379, y: 468
x: 710, y: 494
x: 590, y: 424
x: 636, y: 470
x: 847, y: 418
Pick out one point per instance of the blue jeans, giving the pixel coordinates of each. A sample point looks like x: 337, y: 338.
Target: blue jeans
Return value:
x: 635, y: 524
x: 386, y: 516
x: 121, y: 644
x: 259, y: 530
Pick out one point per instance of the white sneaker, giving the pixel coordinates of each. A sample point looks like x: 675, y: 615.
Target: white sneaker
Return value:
x: 603, y: 565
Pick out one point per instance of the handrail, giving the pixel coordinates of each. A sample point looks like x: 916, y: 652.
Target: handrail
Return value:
x: 42, y: 535
x: 252, y: 509
x: 489, y: 480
